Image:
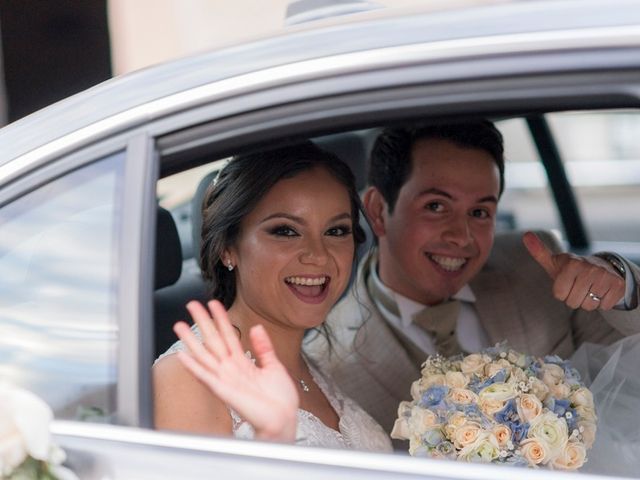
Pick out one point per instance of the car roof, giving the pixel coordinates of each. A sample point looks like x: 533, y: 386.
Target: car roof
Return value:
x: 320, y: 39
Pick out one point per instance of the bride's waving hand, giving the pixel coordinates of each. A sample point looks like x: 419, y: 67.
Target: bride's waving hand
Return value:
x: 261, y: 392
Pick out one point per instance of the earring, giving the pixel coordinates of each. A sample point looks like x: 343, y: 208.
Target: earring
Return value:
x: 229, y: 265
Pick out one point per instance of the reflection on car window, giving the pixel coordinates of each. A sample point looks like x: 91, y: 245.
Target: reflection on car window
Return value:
x: 527, y: 202
x: 58, y: 268
x: 602, y: 159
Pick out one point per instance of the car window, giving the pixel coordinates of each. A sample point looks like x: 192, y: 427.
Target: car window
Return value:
x: 527, y: 202
x: 601, y: 154
x: 58, y: 271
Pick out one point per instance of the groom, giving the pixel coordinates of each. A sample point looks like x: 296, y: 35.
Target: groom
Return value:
x: 437, y: 281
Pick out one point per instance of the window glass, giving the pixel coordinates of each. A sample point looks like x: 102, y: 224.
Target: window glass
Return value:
x: 602, y: 158
x: 58, y: 271
x: 527, y: 202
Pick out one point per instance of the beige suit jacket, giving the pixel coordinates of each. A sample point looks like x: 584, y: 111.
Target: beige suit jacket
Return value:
x: 371, y: 365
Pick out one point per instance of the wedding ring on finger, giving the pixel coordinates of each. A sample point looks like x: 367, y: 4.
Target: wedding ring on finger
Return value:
x: 594, y: 297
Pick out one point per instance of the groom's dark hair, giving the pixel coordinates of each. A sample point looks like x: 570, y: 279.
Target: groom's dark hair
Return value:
x: 391, y: 157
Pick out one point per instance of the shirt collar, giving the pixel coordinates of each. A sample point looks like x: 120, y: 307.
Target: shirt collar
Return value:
x: 408, y: 307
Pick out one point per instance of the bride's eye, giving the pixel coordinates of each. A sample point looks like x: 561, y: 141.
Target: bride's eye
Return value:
x: 283, y: 231
x: 339, y: 231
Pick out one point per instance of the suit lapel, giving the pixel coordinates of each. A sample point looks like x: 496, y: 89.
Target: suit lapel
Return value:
x: 497, y: 309
x: 385, y: 358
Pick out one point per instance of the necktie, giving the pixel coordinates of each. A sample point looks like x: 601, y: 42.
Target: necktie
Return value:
x: 440, y: 322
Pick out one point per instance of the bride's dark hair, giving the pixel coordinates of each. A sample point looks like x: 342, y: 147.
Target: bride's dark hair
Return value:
x: 241, y: 185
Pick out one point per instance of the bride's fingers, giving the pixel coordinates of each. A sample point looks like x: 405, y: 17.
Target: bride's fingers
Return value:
x: 195, y: 346
x: 262, y: 347
x: 208, y: 331
x: 228, y: 334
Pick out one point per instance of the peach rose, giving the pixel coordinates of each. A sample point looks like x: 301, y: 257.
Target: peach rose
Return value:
x: 462, y: 396
x: 586, y: 413
x: 474, y: 363
x: 502, y: 434
x: 419, y: 386
x: 466, y: 434
x: 534, y: 451
x: 571, y: 458
x: 528, y: 407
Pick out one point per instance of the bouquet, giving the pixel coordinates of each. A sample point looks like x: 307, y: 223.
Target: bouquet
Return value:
x: 499, y: 406
x: 26, y: 450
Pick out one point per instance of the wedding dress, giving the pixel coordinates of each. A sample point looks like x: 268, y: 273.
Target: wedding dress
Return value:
x: 612, y: 373
x: 357, y: 430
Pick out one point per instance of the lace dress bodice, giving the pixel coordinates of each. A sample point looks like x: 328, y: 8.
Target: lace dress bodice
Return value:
x: 357, y: 430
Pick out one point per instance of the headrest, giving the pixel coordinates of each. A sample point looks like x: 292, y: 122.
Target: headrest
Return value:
x: 353, y: 149
x: 168, y: 250
x: 196, y: 213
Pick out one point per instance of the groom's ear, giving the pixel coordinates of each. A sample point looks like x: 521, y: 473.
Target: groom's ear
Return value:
x: 376, y: 208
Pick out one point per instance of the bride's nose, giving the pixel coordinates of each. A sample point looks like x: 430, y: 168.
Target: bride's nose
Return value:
x: 314, y: 251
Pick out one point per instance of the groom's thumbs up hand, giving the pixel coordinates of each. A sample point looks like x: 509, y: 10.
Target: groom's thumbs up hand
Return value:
x: 541, y: 253
x: 589, y: 283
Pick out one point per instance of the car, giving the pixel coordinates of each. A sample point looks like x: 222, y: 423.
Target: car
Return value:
x: 99, y: 197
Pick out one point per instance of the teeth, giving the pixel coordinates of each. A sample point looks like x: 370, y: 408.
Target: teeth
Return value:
x: 306, y: 281
x: 449, y: 263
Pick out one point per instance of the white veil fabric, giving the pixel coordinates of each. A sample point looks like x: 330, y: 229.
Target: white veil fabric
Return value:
x: 612, y: 373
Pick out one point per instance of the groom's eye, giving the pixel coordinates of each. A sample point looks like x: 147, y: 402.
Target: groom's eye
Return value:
x: 283, y: 231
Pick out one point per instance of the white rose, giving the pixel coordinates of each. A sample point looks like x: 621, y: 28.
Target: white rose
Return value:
x: 586, y: 413
x: 493, y: 398
x: 421, y: 418
x: 551, y: 430
x: 517, y: 358
x: 484, y: 449
x: 24, y: 427
x: 422, y: 384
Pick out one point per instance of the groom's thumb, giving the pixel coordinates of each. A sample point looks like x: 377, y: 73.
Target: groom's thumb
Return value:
x: 540, y: 253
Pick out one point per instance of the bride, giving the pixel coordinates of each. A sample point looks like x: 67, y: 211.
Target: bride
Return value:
x: 279, y: 235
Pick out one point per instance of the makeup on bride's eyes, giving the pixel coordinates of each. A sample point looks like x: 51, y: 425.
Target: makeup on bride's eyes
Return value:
x: 283, y: 231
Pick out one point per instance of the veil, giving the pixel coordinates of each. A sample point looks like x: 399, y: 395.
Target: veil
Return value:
x: 612, y: 373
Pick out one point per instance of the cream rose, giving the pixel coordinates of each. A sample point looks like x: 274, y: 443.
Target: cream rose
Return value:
x: 528, y: 407
x: 462, y: 396
x: 538, y: 388
x: 490, y: 369
x: 551, y: 374
x: 561, y: 390
x: 551, y: 430
x: 502, y: 434
x: 454, y: 422
x: 582, y: 397
x: 421, y: 418
x: 474, y: 363
x: 485, y: 449
x: 517, y: 358
x: 466, y: 434
x: 587, y: 433
x: 421, y: 385
x: 456, y: 380
x: 571, y: 458
x: 586, y: 413
x: 534, y: 451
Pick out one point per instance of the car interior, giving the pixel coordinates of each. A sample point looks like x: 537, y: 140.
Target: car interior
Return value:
x: 177, y: 272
